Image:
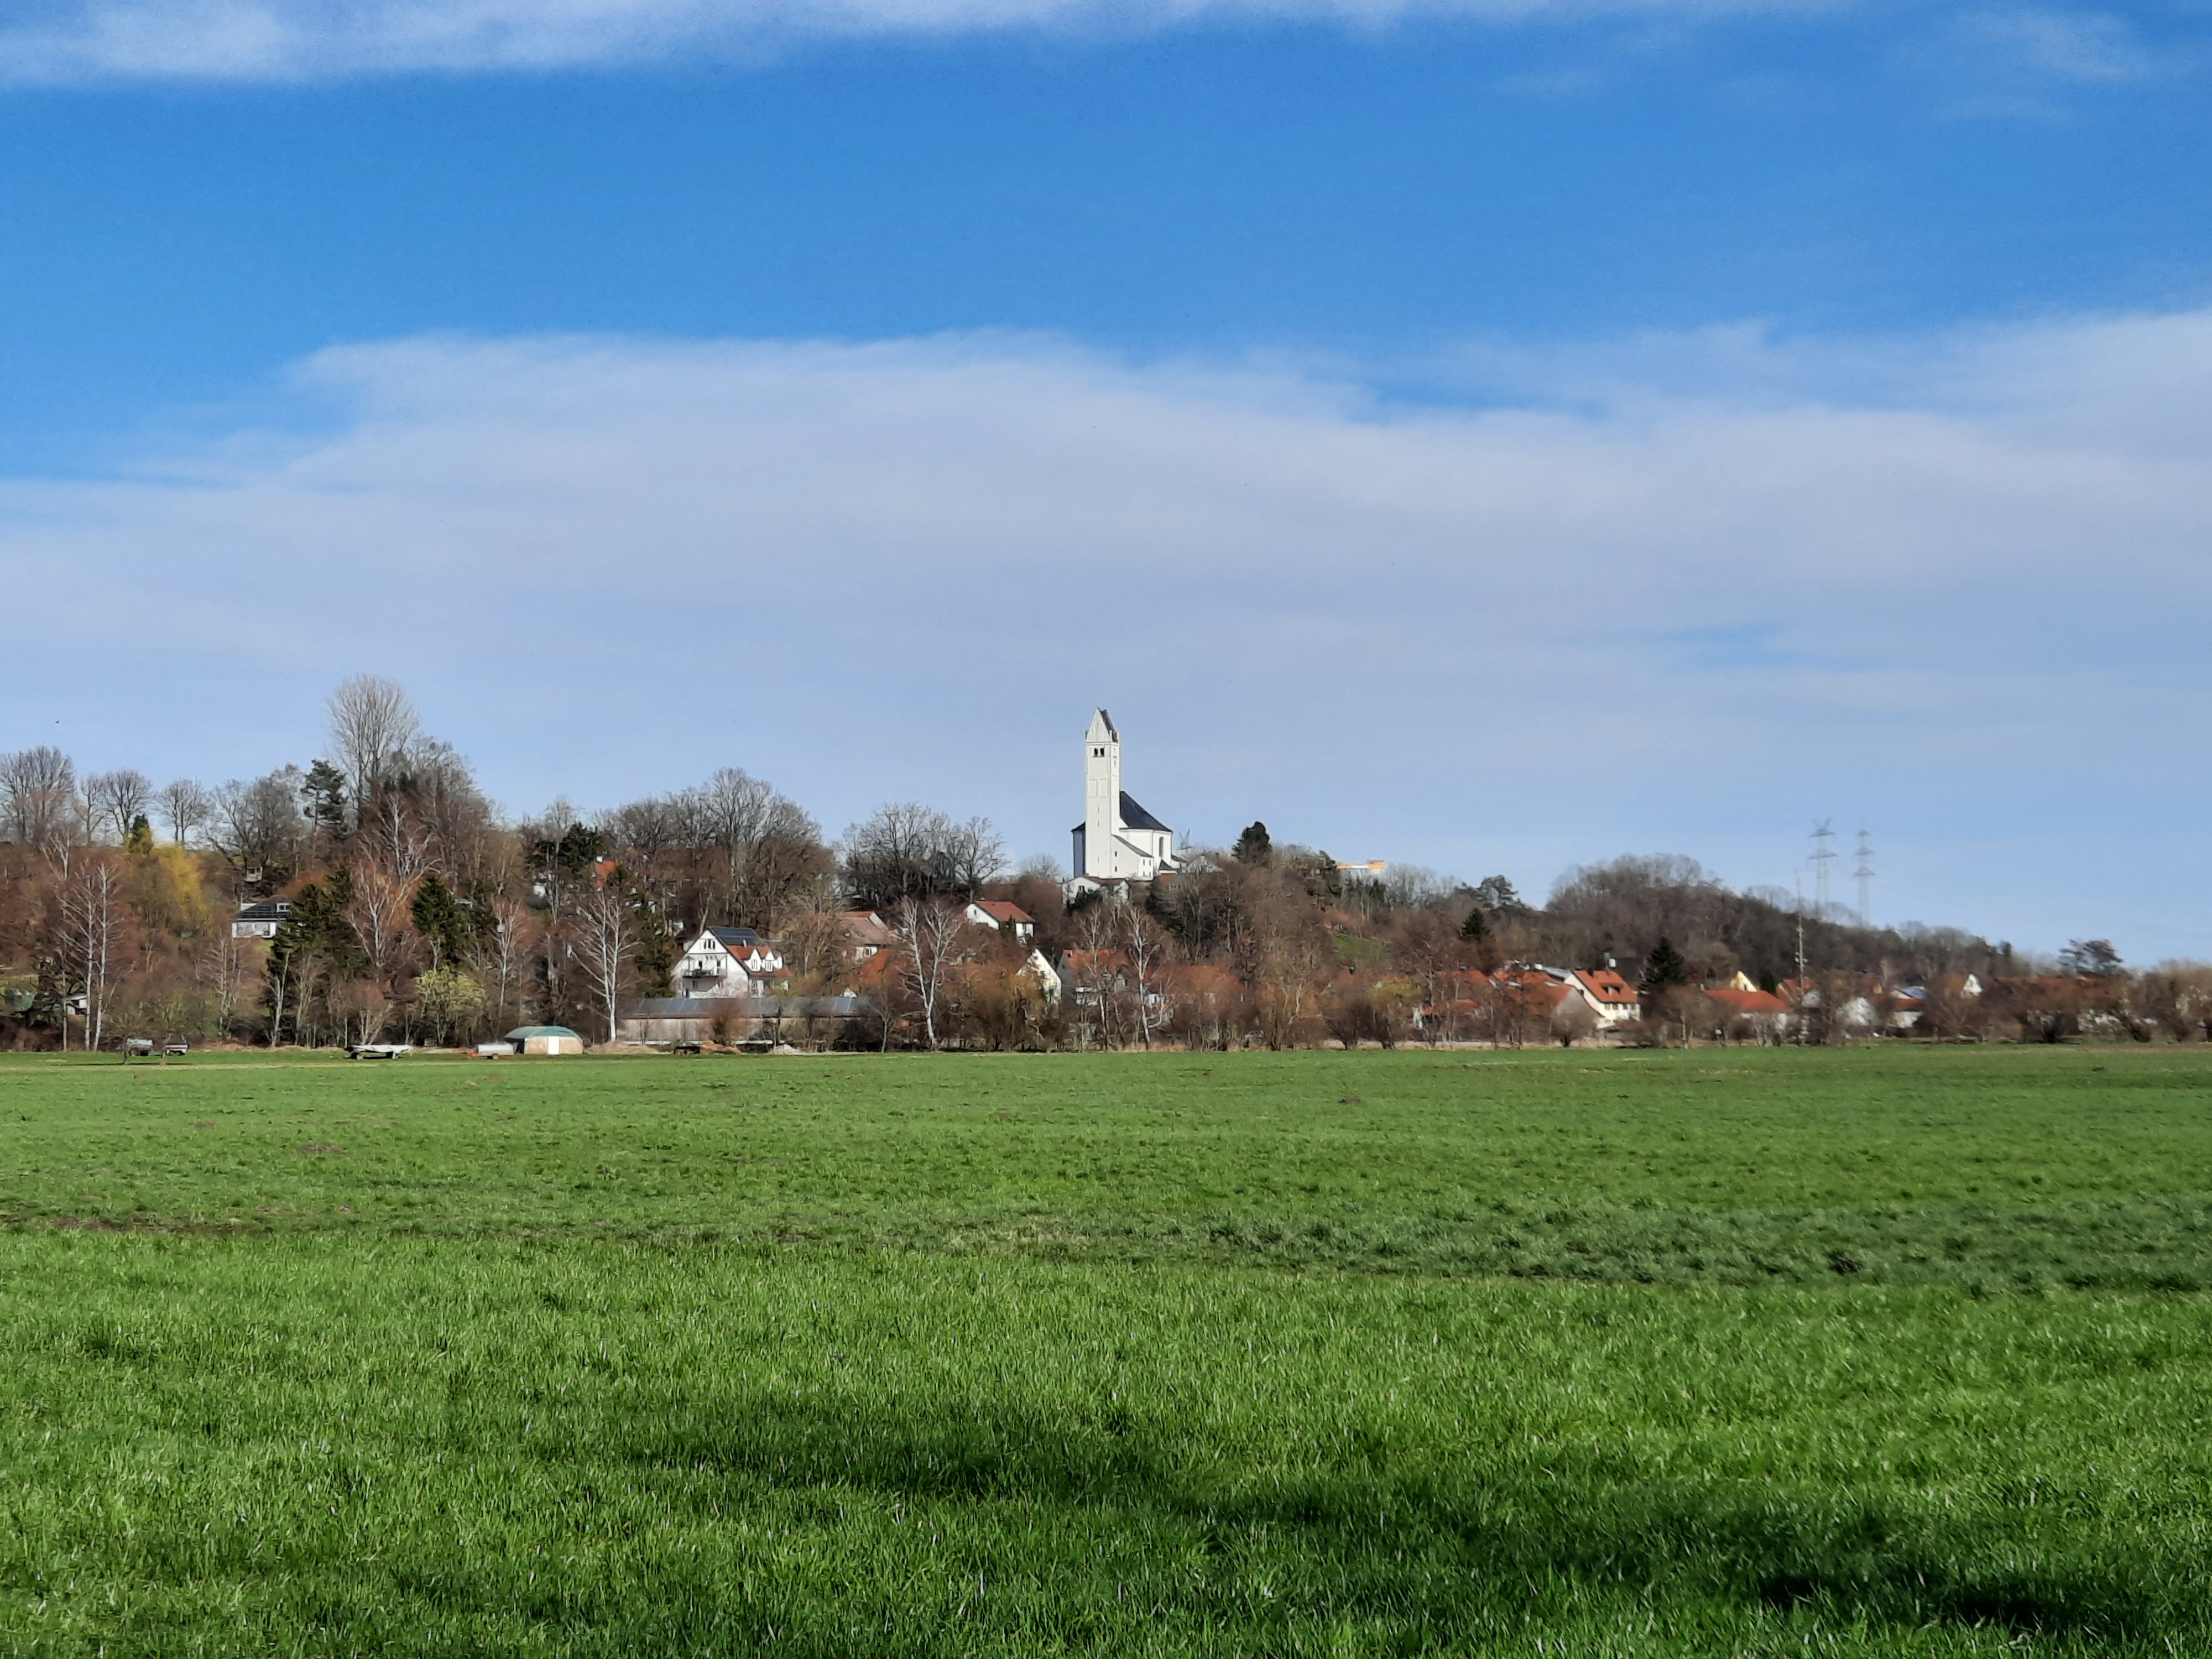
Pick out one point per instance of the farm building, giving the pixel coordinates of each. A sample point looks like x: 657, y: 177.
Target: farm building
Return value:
x: 546, y: 1040
x: 738, y: 1019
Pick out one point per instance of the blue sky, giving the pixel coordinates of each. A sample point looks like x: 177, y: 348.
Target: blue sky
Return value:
x: 1492, y: 435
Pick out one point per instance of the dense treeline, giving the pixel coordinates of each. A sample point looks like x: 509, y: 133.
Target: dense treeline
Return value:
x: 417, y: 913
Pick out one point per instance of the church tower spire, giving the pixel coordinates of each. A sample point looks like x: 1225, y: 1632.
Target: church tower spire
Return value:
x: 1118, y: 842
x: 1101, y: 799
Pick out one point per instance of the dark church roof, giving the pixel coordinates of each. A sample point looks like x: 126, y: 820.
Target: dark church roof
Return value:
x: 1134, y: 816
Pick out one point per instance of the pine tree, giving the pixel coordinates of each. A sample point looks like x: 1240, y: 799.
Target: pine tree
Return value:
x: 1498, y: 893
x: 442, y: 919
x: 1255, y: 845
x: 324, y: 790
x: 1663, y: 968
x: 1477, y: 925
x: 314, y: 949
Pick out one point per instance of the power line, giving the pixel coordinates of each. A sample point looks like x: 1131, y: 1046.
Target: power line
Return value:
x: 1864, y: 874
x: 1823, y: 855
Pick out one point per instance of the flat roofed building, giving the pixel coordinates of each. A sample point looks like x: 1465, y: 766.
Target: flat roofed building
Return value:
x: 261, y: 921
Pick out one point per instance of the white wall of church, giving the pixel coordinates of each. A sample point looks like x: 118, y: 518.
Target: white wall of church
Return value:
x: 1102, y: 801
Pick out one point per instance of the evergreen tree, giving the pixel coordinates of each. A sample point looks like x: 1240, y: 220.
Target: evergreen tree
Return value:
x: 484, y: 919
x: 324, y: 792
x: 140, y: 840
x: 1497, y: 893
x: 442, y: 920
x: 657, y: 948
x: 315, y: 948
x: 1663, y: 968
x: 2089, y: 958
x: 1477, y: 925
x: 576, y: 851
x: 1254, y: 846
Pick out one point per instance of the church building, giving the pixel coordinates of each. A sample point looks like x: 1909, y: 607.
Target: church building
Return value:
x: 1117, y: 840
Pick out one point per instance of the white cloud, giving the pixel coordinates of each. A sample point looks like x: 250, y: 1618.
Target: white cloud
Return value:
x: 292, y: 40
x: 1681, y: 593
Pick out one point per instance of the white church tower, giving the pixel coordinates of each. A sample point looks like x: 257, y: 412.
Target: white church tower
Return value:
x: 1117, y: 840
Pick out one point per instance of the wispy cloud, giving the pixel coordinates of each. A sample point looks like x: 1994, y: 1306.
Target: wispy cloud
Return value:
x: 2088, y: 46
x: 1678, y: 593
x: 66, y: 41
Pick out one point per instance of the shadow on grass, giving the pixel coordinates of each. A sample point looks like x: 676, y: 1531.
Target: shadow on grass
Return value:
x: 1374, y: 1536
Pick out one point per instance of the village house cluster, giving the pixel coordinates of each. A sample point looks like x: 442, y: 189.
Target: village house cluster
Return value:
x: 376, y: 899
x: 731, y: 985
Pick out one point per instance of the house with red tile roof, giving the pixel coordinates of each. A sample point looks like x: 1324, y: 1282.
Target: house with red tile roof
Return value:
x: 1088, y: 974
x: 865, y: 935
x: 1611, y: 998
x: 1000, y: 915
x: 728, y: 962
x: 1766, y: 1013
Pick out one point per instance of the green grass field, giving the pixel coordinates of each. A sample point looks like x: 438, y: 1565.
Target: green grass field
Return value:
x: 1719, y: 1351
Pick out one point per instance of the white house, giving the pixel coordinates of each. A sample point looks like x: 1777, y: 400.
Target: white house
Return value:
x: 1000, y: 915
x: 1117, y: 840
x: 1037, y: 968
x: 728, y: 962
x: 1611, y: 998
x: 260, y: 921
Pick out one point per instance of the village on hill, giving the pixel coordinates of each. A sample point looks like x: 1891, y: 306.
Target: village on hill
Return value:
x: 374, y: 900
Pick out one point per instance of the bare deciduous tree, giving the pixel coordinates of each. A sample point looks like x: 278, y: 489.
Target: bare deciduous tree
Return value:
x: 906, y: 850
x: 1573, y: 1021
x: 117, y: 800
x: 257, y: 826
x: 768, y: 847
x: 816, y: 949
x: 933, y: 941
x: 222, y: 967
x: 185, y: 803
x: 974, y: 852
x: 93, y: 918
x: 372, y: 724
x: 1094, y: 974
x: 603, y: 925
x: 40, y: 787
x: 428, y: 813
x: 644, y: 830
x: 397, y: 834
x: 1145, y: 941
x: 380, y: 917
x: 502, y: 954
